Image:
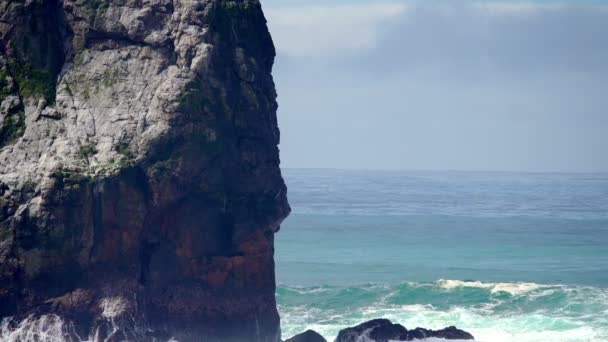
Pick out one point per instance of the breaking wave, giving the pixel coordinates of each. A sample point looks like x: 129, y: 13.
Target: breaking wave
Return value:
x: 492, y: 312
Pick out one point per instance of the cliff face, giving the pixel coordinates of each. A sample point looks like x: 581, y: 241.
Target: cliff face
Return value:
x: 140, y: 187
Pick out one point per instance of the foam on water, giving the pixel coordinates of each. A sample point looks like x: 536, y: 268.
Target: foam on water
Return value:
x: 512, y: 288
x: 492, y: 312
x: 46, y: 328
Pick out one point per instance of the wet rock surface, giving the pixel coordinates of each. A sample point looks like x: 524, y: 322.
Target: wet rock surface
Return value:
x: 307, y: 336
x: 140, y: 187
x: 383, y: 330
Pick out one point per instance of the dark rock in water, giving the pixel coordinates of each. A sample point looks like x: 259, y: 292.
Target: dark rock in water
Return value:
x: 307, y: 336
x: 377, y: 329
x: 449, y: 333
x: 140, y: 187
x: 383, y: 330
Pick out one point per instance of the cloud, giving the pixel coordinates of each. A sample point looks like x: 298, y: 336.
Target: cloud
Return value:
x: 440, y: 34
x: 322, y: 30
x: 443, y: 85
x: 516, y: 8
x: 513, y: 37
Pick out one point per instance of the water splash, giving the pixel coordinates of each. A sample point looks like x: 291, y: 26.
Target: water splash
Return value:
x: 45, y: 328
x: 118, y: 322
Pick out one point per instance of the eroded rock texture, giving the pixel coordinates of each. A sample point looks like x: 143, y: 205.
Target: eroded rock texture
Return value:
x: 140, y: 187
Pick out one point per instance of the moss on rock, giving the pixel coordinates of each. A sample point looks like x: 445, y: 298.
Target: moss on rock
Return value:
x: 12, y: 128
x: 94, y: 7
x: 12, y: 125
x: 67, y: 180
x: 33, y: 81
x: 34, y: 51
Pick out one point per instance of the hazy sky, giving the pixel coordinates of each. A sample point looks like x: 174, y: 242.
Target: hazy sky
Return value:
x: 465, y: 85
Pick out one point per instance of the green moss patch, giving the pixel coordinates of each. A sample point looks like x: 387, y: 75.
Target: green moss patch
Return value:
x: 12, y: 128
x: 35, y: 51
x: 4, y: 88
x: 33, y: 81
x: 13, y: 125
x: 87, y: 151
x: 67, y: 178
x: 93, y: 8
x: 123, y: 149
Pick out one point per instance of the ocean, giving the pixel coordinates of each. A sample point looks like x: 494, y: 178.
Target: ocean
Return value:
x: 517, y: 257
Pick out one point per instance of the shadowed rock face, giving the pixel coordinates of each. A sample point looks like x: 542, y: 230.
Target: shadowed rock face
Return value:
x: 307, y: 336
x: 140, y: 187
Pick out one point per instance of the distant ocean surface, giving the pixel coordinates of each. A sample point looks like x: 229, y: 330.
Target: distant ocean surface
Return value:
x: 513, y: 257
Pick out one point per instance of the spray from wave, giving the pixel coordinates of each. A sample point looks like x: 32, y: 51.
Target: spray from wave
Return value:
x: 118, y: 325
x: 40, y: 329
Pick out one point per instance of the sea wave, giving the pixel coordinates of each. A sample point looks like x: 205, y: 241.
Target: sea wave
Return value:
x: 492, y: 312
x: 511, y: 288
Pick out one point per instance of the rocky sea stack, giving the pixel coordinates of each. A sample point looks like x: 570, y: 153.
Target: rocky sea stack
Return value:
x: 140, y: 187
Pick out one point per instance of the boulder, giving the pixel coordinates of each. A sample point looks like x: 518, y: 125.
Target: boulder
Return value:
x: 307, y: 336
x: 383, y: 330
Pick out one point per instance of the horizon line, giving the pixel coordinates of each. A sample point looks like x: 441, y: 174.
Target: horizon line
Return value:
x: 442, y: 170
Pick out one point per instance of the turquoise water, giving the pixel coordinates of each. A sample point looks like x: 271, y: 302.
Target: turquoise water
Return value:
x: 507, y: 256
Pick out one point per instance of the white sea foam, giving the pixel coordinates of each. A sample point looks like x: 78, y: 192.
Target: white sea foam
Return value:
x: 524, y: 328
x: 533, y: 313
x: 53, y: 328
x: 396, y: 309
x: 416, y: 307
x: 514, y: 289
x: 310, y: 290
x: 583, y: 334
x: 46, y: 328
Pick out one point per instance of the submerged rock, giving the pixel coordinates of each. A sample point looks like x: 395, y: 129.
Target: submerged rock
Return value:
x: 140, y: 187
x: 383, y: 330
x: 307, y: 336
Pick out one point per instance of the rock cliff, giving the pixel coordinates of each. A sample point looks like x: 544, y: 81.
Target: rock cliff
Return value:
x: 140, y: 187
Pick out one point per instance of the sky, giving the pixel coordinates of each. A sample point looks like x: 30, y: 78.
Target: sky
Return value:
x: 442, y: 85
